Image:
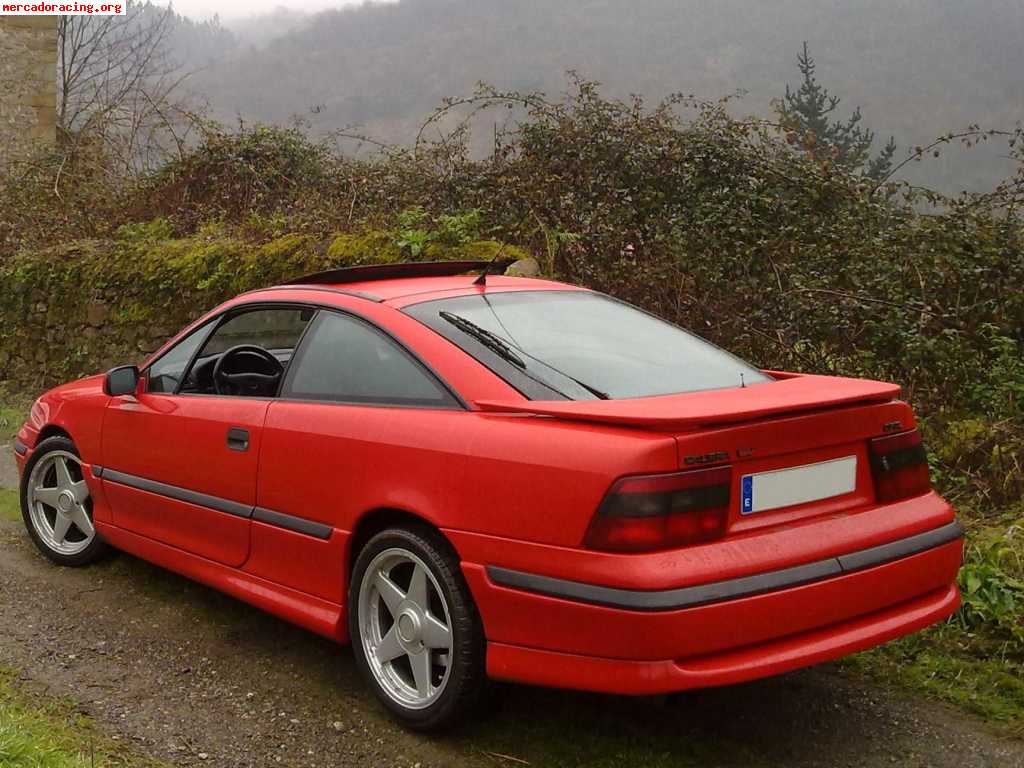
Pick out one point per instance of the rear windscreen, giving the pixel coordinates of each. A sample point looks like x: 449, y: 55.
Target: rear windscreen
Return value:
x: 579, y: 345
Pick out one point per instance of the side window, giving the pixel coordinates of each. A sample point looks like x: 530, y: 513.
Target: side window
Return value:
x: 344, y: 359
x: 165, y: 374
x: 274, y: 330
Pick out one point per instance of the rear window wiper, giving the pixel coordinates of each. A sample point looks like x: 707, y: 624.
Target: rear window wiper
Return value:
x: 506, y: 351
x: 492, y: 341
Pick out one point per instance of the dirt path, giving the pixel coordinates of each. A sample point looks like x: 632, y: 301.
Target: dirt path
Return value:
x: 196, y: 678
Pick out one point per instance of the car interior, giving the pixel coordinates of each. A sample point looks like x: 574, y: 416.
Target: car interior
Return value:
x: 245, y: 355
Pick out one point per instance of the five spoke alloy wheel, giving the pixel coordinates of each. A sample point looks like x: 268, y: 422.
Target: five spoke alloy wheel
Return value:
x: 405, y: 628
x: 416, y: 633
x: 57, y: 506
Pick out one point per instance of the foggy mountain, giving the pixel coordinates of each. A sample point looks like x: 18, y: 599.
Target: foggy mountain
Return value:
x: 917, y: 68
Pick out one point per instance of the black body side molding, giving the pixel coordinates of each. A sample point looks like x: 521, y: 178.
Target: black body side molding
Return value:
x: 278, y: 519
x: 292, y: 523
x: 730, y: 589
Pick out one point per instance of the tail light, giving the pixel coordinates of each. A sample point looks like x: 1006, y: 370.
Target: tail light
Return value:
x: 900, y: 466
x: 642, y: 514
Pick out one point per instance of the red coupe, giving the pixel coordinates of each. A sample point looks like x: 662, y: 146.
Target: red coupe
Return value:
x: 475, y: 476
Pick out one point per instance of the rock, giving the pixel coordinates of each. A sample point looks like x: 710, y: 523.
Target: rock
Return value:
x: 96, y: 314
x: 524, y: 268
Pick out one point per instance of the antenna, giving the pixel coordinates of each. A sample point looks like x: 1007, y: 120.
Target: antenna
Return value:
x: 743, y: 384
x: 497, y: 261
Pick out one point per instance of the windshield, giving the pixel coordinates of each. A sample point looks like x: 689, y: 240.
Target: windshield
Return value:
x: 581, y: 346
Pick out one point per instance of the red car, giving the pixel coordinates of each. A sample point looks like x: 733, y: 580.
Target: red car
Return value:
x: 474, y: 476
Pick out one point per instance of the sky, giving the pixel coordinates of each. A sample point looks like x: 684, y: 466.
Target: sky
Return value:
x: 232, y: 9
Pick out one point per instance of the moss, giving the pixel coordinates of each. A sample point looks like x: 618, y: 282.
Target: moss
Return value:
x: 98, y: 303
x: 372, y: 247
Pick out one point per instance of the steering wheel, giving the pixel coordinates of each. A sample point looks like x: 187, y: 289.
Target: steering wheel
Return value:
x: 247, y: 382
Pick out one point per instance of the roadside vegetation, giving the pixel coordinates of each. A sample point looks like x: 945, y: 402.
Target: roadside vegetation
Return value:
x: 13, y: 411
x: 43, y: 732
x: 729, y: 227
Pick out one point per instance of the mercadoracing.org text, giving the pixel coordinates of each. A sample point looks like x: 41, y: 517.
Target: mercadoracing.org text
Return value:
x: 64, y: 9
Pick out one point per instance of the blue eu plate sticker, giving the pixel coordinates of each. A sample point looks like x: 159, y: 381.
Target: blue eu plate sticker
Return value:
x: 747, y: 492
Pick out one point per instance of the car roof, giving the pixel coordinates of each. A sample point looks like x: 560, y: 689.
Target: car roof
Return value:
x: 404, y: 288
x: 400, y: 282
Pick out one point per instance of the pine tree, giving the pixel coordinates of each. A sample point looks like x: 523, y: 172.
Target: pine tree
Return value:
x: 807, y: 114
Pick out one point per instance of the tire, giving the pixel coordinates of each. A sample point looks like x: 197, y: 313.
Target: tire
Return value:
x: 77, y: 543
x: 456, y: 673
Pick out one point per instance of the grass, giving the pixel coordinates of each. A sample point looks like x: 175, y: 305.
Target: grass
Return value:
x: 975, y: 660
x: 10, y: 506
x: 970, y: 670
x: 13, y: 411
x: 43, y: 732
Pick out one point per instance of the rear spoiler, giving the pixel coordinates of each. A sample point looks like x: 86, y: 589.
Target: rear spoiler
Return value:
x: 788, y: 393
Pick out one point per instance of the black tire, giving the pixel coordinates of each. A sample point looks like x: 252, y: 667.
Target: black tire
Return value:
x: 96, y: 549
x: 466, y: 686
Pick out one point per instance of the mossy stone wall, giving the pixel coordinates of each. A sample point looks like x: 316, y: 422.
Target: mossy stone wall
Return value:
x: 87, y: 306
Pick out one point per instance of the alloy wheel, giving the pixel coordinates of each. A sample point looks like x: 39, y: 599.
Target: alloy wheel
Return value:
x: 59, y: 504
x: 405, y: 628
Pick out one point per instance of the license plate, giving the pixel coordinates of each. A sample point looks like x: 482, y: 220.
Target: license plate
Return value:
x: 797, y: 485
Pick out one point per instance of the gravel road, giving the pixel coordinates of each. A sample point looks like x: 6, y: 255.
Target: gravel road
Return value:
x: 196, y: 678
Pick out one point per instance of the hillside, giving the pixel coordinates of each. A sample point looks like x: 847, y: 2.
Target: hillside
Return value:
x: 917, y: 67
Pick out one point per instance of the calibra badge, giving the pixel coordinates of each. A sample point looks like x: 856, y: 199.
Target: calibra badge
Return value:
x: 707, y: 458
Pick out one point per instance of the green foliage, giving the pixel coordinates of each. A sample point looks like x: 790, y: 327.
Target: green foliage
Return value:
x: 418, y: 230
x: 807, y: 114
x: 232, y: 176
x: 992, y: 585
x: 38, y: 733
x: 13, y: 411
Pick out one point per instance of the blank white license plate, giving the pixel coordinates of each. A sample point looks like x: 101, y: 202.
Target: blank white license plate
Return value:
x: 797, y: 485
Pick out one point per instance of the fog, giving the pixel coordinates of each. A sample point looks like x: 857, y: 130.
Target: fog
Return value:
x: 916, y: 68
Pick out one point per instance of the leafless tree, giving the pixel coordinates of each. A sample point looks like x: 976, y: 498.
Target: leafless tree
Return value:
x: 117, y: 85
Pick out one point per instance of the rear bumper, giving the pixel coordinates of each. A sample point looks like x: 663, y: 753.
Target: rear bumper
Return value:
x: 553, y: 631
x: 729, y: 589
x: 622, y: 676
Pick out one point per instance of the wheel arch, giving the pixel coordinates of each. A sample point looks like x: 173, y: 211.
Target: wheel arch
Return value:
x: 53, y: 430
x: 378, y: 519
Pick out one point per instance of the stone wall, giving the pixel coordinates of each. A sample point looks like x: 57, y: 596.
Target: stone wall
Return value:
x: 28, y: 78
x: 86, y: 306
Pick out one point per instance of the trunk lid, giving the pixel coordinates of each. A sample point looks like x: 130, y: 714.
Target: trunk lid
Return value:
x: 788, y: 393
x: 798, y: 446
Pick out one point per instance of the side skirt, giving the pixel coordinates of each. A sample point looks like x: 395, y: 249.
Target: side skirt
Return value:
x: 312, y: 613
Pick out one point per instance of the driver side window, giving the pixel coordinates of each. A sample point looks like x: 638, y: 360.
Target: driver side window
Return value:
x: 271, y: 334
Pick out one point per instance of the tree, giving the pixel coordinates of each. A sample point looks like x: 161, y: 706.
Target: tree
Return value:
x: 807, y: 114
x: 117, y: 84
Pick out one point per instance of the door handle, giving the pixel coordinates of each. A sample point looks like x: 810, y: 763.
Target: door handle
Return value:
x: 238, y: 439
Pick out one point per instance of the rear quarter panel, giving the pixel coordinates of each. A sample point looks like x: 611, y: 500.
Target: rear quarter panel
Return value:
x: 525, y: 478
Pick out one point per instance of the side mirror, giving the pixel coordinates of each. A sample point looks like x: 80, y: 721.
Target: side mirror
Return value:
x: 121, y: 381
